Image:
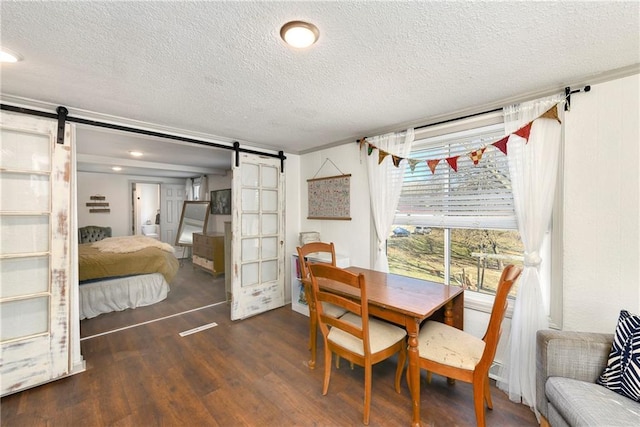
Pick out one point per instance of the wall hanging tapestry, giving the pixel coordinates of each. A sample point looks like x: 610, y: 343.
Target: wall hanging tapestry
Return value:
x: 329, y: 198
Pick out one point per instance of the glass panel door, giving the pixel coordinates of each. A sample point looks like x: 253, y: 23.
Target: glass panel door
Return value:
x: 34, y: 251
x: 258, y: 236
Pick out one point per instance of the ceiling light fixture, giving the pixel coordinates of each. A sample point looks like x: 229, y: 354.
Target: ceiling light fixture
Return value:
x: 7, y: 55
x: 116, y: 168
x: 299, y: 34
x: 136, y: 153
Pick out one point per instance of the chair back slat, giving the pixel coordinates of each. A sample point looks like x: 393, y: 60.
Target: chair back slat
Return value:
x: 313, y: 248
x: 340, y: 301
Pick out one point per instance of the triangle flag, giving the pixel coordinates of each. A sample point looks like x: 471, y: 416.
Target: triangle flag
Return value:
x: 362, y: 142
x: 453, y: 162
x: 413, y: 163
x: 524, y: 131
x: 551, y: 113
x: 370, y: 149
x: 396, y: 160
x: 477, y: 155
x: 432, y: 165
x: 502, y: 144
x: 381, y: 155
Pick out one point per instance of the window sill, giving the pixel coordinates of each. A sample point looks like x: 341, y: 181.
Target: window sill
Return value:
x: 484, y: 302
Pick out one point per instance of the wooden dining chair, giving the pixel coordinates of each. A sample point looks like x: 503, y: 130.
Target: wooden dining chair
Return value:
x: 329, y: 309
x: 354, y: 336
x: 455, y: 354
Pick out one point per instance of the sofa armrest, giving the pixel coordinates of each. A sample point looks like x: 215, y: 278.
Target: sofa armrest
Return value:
x: 577, y: 355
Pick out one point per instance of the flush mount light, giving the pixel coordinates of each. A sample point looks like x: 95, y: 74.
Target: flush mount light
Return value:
x: 299, y: 34
x: 116, y: 168
x: 136, y: 153
x: 7, y: 55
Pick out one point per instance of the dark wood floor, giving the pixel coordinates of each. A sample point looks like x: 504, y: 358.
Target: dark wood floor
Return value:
x: 245, y: 373
x: 192, y: 288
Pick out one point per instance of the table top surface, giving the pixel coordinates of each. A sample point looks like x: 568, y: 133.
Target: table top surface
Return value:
x: 415, y: 297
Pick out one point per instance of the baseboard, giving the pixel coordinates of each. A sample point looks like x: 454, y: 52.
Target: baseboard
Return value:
x: 494, y: 371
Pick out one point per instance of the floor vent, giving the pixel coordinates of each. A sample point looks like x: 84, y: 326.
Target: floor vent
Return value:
x: 198, y: 329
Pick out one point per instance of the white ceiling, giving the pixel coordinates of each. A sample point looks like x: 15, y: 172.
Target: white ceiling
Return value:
x: 220, y: 69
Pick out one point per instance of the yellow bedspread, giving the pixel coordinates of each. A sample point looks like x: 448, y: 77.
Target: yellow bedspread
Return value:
x: 95, y: 264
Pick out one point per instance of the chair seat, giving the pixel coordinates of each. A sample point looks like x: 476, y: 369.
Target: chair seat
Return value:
x: 333, y: 310
x: 450, y: 346
x: 382, y: 335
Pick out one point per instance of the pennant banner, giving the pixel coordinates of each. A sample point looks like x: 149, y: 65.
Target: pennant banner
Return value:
x: 432, y: 165
x: 453, y: 162
x: 502, y: 145
x: 475, y: 155
x: 524, y: 131
x: 551, y: 113
x: 381, y: 155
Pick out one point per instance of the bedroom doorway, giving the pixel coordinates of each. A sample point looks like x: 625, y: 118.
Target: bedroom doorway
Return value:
x: 145, y: 205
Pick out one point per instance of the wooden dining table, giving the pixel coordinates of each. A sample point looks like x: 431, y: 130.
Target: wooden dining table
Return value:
x: 404, y: 301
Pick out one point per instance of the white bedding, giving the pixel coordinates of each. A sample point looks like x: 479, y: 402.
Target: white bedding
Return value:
x: 118, y: 294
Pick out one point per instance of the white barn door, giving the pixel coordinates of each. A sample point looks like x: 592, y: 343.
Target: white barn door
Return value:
x: 35, y: 194
x: 257, y: 280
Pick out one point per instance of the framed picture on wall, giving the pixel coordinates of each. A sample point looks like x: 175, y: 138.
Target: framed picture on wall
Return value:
x: 221, y: 202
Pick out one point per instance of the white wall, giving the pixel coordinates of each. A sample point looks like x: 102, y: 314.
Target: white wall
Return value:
x: 351, y: 238
x: 601, y: 215
x: 601, y: 198
x: 117, y: 190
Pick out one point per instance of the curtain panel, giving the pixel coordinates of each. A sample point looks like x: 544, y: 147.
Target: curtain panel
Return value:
x: 533, y: 167
x: 385, y: 185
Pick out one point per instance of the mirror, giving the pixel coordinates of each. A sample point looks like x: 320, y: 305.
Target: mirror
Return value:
x: 193, y: 219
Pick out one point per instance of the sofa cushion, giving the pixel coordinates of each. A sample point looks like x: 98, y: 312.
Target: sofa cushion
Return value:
x: 622, y: 373
x: 582, y: 403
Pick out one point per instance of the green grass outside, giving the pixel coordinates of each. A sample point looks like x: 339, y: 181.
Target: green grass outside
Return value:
x: 422, y: 256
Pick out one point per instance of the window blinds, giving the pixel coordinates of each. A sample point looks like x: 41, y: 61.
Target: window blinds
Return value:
x: 476, y: 196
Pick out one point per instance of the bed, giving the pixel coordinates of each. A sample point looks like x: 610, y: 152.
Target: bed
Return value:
x: 124, y: 272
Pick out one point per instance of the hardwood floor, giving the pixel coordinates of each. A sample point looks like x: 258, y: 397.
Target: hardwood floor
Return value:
x: 244, y: 373
x: 191, y: 288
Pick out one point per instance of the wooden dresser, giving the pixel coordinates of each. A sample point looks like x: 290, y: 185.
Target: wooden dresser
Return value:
x: 208, y: 252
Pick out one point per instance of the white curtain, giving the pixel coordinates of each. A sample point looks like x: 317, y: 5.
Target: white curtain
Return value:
x: 188, y: 189
x: 204, y: 188
x: 533, y: 167
x: 385, y: 184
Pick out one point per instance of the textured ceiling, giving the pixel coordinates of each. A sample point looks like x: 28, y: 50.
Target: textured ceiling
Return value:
x: 220, y: 68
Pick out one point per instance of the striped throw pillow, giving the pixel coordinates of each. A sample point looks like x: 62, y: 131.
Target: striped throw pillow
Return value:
x: 622, y: 373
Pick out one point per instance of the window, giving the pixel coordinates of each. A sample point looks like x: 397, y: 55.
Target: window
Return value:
x: 196, y: 191
x: 461, y: 225
x: 195, y: 188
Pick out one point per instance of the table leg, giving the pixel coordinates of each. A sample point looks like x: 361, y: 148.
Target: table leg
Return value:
x: 448, y: 313
x: 414, y: 371
x: 449, y: 320
x: 314, y: 335
x: 313, y: 327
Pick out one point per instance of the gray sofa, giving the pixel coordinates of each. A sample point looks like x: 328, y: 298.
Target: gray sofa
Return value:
x: 567, y: 366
